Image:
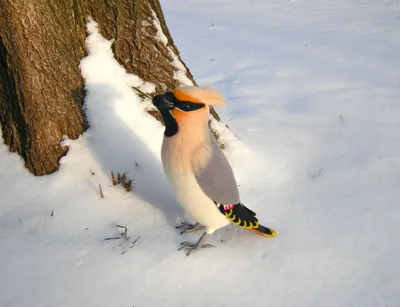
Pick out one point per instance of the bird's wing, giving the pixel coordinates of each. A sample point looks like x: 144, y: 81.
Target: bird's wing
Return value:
x: 216, y: 178
x: 218, y: 182
x: 239, y: 215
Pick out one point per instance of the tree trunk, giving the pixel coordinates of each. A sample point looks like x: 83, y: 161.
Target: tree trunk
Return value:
x: 41, y: 87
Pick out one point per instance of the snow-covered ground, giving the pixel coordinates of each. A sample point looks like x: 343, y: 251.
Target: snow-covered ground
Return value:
x: 313, y: 92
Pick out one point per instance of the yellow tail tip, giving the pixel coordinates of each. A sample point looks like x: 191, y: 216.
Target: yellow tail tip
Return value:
x: 273, y: 233
x: 268, y: 235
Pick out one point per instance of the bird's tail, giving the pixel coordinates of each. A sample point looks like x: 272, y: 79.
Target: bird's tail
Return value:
x: 264, y: 231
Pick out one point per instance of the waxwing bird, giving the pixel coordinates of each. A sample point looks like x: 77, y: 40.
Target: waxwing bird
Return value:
x: 197, y: 170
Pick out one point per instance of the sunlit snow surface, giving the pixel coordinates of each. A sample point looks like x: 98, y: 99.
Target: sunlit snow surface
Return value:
x: 313, y: 92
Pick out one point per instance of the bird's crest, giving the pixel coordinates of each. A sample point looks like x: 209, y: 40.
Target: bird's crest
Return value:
x: 204, y: 95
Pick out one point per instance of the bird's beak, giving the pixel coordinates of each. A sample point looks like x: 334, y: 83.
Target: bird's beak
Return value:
x: 164, y: 102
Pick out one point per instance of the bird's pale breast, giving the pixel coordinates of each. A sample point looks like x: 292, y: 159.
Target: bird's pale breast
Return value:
x: 184, y: 185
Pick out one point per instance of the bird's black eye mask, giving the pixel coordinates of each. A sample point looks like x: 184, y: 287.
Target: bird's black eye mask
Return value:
x: 185, y: 106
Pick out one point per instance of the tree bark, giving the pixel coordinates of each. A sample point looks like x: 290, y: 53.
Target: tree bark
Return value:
x: 41, y: 87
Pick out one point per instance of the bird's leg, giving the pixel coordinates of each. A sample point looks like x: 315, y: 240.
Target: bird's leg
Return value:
x: 187, y: 227
x: 191, y: 247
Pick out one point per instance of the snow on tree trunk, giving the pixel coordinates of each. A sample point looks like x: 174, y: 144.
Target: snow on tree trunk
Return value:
x: 41, y: 87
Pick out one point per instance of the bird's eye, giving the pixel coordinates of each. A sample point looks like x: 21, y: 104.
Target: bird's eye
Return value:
x: 189, y: 106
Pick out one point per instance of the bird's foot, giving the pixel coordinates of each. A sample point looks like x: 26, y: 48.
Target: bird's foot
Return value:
x: 187, y: 227
x: 192, y: 247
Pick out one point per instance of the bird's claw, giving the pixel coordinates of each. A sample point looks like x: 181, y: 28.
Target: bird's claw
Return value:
x: 187, y: 227
x: 186, y: 245
x: 192, y: 247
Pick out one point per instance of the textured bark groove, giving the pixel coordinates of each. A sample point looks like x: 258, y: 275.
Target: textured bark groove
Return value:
x: 41, y: 87
x: 41, y: 96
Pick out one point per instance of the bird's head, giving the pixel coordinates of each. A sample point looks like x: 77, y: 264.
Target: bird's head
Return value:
x: 187, y: 106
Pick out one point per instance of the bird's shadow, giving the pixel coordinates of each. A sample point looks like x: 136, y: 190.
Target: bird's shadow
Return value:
x: 118, y: 148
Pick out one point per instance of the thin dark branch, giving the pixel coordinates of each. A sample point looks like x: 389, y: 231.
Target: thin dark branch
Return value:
x: 113, y: 178
x: 101, y: 191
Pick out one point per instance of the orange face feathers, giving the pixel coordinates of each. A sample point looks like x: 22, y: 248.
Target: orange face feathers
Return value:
x: 181, y: 116
x: 206, y: 95
x: 193, y: 118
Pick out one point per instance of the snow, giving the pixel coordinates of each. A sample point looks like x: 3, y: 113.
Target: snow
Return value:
x: 313, y: 91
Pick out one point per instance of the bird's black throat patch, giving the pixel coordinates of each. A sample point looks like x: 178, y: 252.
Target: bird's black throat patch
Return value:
x: 171, y: 126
